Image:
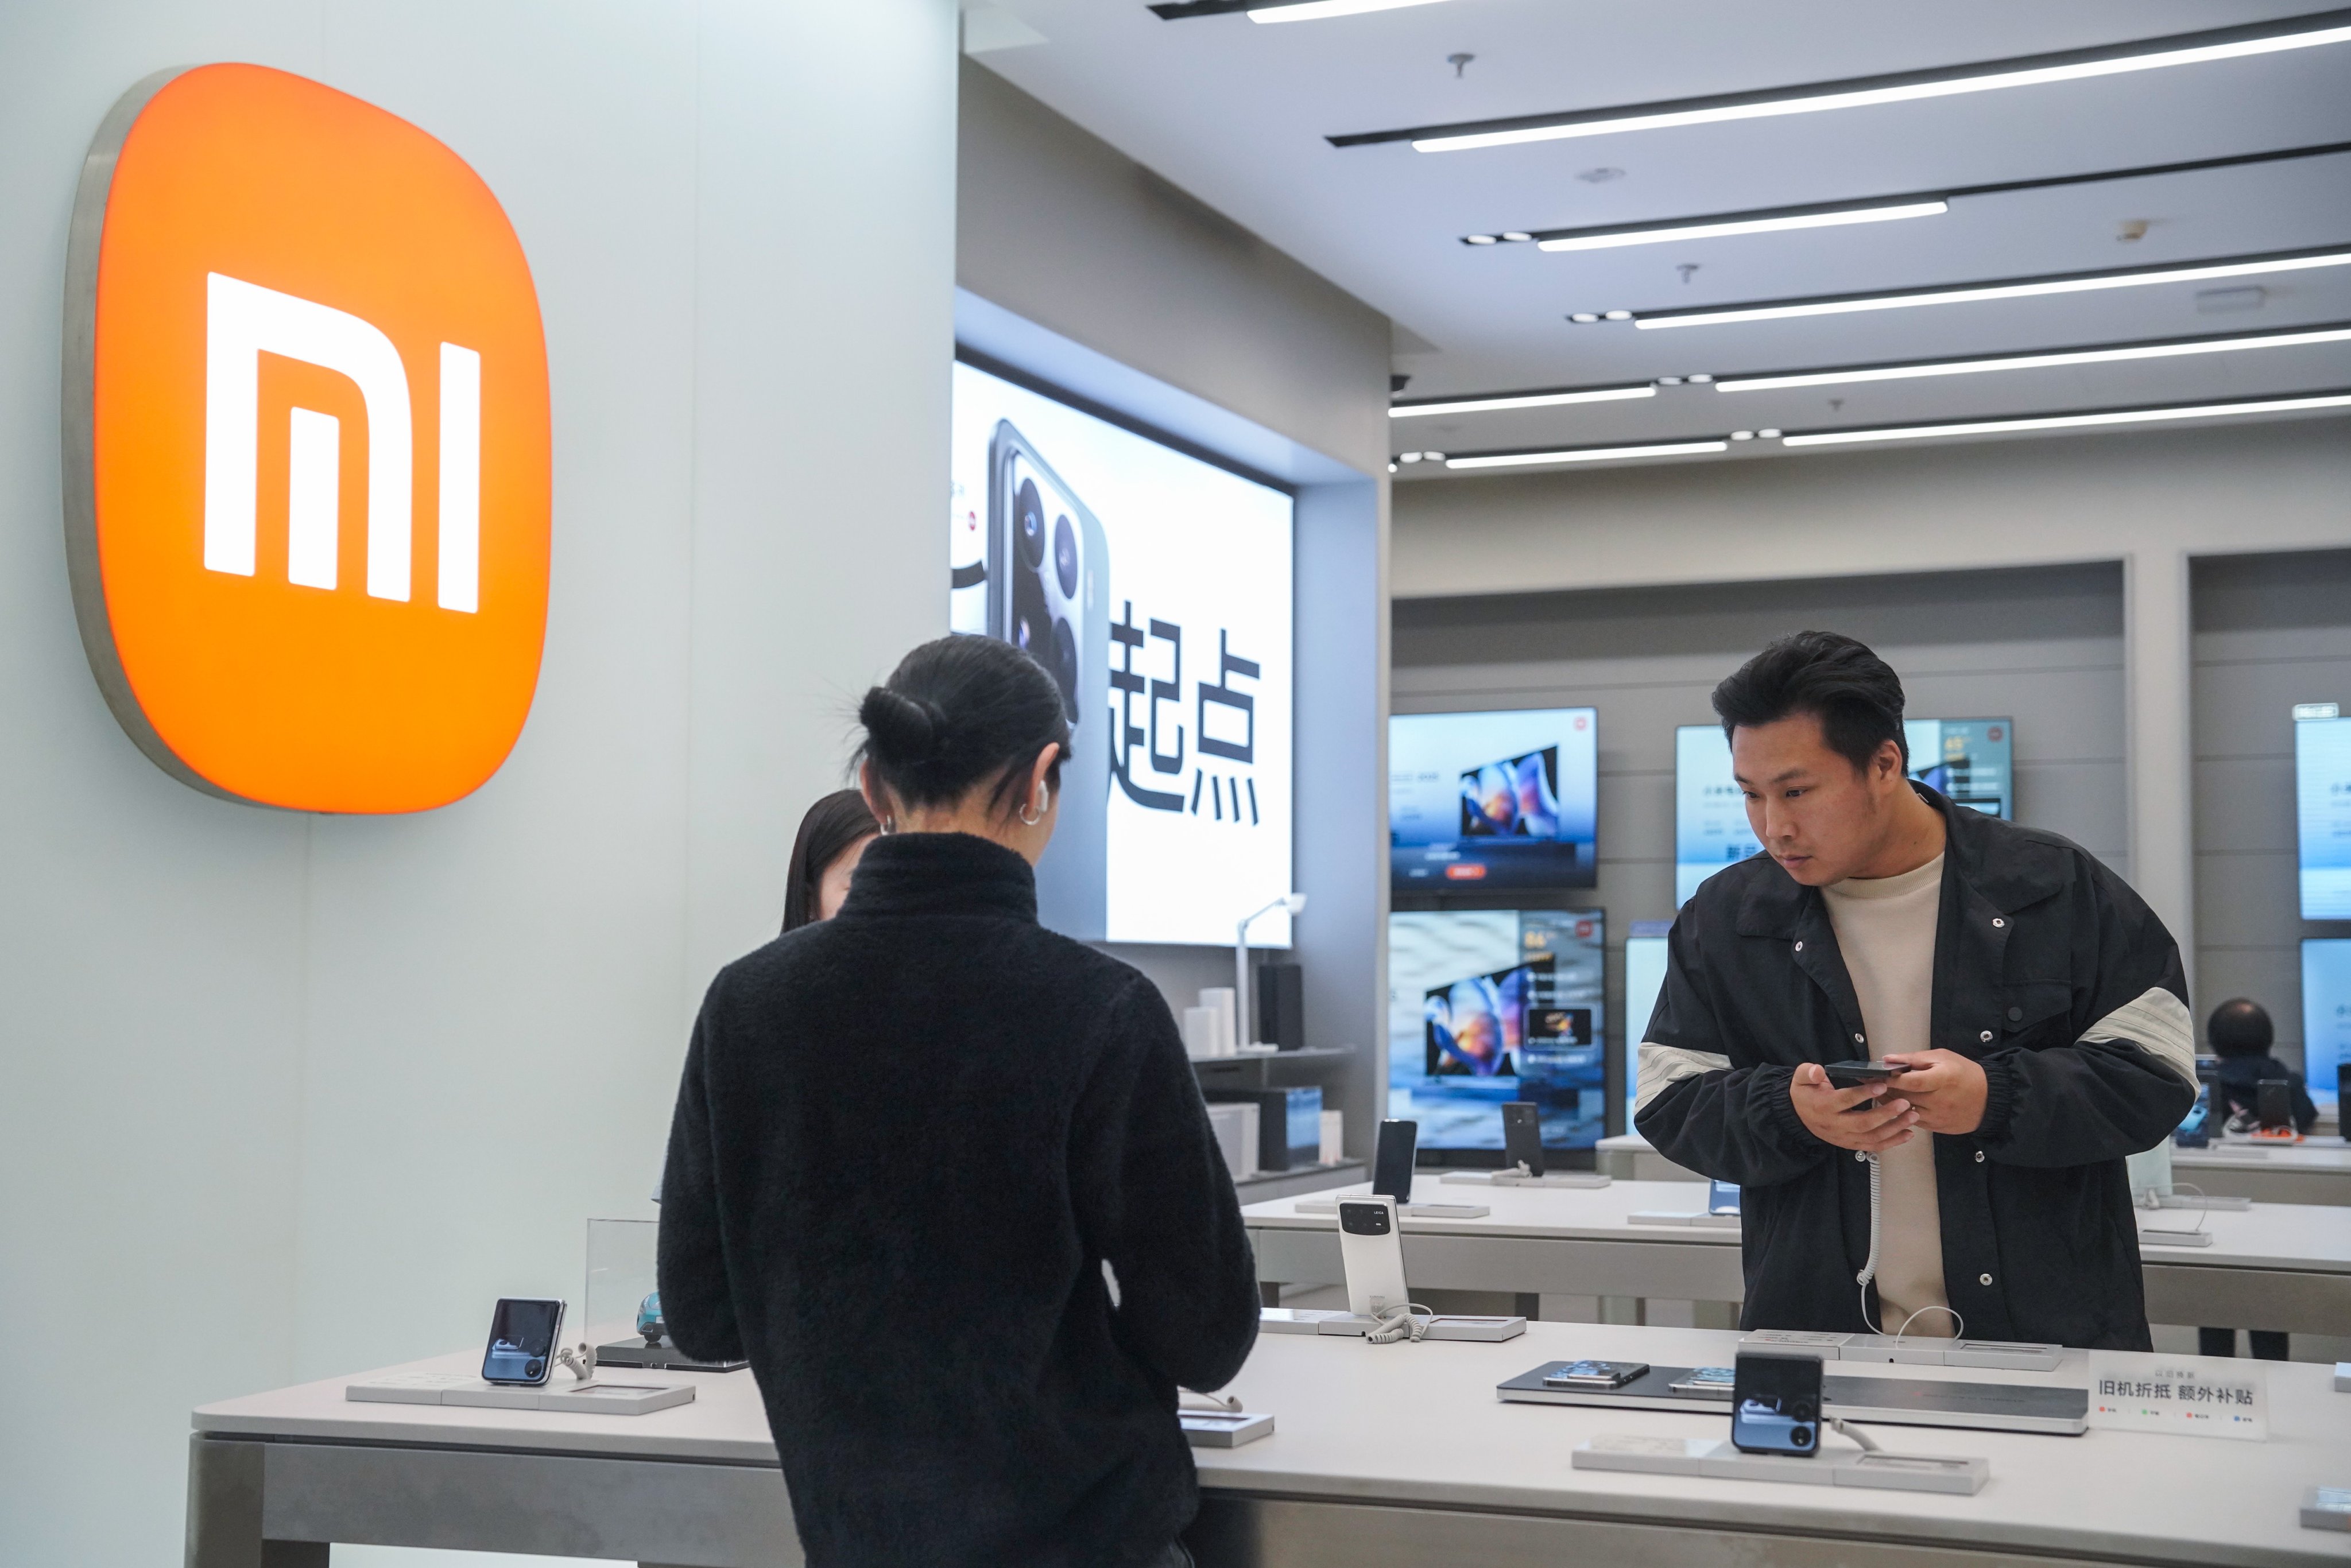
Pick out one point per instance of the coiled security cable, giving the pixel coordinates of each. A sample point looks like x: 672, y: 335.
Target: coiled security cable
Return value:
x: 1405, y: 1321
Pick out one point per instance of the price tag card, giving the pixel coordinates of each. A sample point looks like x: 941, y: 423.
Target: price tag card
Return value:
x: 2188, y: 1396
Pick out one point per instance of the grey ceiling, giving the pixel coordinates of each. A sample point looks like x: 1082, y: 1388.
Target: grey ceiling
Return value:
x: 1238, y: 113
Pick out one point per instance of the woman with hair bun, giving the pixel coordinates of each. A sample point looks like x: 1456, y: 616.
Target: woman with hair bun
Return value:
x: 946, y: 1179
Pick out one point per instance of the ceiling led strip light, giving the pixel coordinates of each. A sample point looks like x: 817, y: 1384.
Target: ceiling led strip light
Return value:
x: 2070, y: 422
x: 2111, y: 354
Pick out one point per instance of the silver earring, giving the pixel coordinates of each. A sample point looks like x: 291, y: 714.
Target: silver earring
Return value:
x: 889, y: 824
x: 1043, y: 803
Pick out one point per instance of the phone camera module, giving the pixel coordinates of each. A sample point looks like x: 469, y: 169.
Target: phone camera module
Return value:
x: 1363, y: 1219
x: 1029, y: 509
x: 535, y: 1367
x: 1065, y: 667
x: 1801, y: 1436
x: 1065, y: 556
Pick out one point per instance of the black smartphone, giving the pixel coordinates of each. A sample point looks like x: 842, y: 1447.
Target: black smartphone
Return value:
x: 1775, y: 1405
x: 1854, y: 1075
x: 2343, y: 1099
x: 1392, y: 1159
x: 1522, y: 1135
x: 2273, y: 1104
x: 522, y: 1334
x: 1596, y: 1374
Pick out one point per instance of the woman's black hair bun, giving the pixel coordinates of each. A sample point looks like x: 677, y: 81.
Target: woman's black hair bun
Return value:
x: 904, y: 732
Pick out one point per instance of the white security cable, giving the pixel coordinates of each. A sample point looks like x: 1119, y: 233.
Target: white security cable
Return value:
x: 1405, y: 1321
x: 1869, y: 1269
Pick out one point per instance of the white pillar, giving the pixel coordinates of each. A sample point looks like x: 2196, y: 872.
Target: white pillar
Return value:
x: 2156, y: 637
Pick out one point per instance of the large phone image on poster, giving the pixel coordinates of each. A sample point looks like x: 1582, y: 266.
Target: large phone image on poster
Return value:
x: 1486, y: 1006
x: 2322, y: 793
x: 1489, y: 802
x: 1156, y: 588
x: 1969, y: 760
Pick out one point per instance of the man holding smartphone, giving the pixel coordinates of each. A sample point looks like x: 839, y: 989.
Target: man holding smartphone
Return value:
x: 2028, y: 1011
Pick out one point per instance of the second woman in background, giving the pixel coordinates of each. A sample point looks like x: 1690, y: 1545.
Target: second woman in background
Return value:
x: 832, y: 839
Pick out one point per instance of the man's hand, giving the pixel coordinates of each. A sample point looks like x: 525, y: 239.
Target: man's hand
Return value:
x: 1947, y: 1089
x: 1828, y: 1111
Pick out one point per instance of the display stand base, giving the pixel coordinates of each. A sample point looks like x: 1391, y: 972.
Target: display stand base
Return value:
x: 2151, y: 1236
x: 1882, y: 1348
x: 1223, y: 1429
x: 1444, y: 1325
x: 1409, y: 1210
x: 596, y: 1396
x: 1717, y: 1457
x: 1296, y: 1320
x: 1582, y: 1179
x: 2327, y: 1508
x: 662, y: 1357
x: 2194, y: 1200
x: 1681, y: 1217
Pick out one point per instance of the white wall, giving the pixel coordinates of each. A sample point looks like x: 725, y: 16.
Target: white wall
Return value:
x: 290, y: 1096
x: 2150, y: 500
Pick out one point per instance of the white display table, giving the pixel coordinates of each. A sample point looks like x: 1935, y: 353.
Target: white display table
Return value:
x: 2274, y: 1266
x: 1629, y: 1157
x: 2316, y: 1170
x: 1382, y: 1457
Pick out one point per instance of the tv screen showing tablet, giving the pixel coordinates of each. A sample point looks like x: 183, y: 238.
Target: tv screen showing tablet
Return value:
x: 1486, y: 1006
x: 1155, y: 589
x: 2326, y: 1014
x: 1492, y: 802
x: 1645, y: 977
x: 1969, y: 760
x: 2322, y: 793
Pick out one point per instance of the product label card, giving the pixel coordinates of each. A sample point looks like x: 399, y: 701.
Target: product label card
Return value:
x: 2188, y: 1395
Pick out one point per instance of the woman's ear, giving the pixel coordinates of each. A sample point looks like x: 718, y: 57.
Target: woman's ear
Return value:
x: 877, y: 799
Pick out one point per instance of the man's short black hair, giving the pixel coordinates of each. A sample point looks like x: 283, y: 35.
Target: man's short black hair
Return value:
x: 2241, y: 1027
x: 1855, y: 695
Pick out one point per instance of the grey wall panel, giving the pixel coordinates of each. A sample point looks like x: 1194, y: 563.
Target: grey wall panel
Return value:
x: 2270, y: 631
x: 2042, y: 648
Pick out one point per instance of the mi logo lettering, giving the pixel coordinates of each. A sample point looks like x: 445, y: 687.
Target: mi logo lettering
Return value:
x: 307, y: 500
x: 243, y: 320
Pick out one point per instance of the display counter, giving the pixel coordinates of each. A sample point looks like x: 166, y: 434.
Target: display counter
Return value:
x: 2316, y: 1170
x: 2283, y: 1267
x: 1382, y: 1456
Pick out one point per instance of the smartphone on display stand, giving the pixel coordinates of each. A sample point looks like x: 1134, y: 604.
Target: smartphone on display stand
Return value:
x: 1392, y: 1159
x: 1775, y: 1405
x: 1048, y: 594
x: 1600, y: 1375
x: 1523, y: 1136
x: 2273, y: 1104
x: 1371, y: 1253
x: 523, y: 1335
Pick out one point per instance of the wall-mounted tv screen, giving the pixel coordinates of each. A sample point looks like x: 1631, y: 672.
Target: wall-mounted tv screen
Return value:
x: 1969, y: 760
x: 1155, y: 589
x: 1490, y: 1005
x: 2326, y: 1014
x: 1493, y: 802
x: 1645, y: 977
x: 2322, y: 793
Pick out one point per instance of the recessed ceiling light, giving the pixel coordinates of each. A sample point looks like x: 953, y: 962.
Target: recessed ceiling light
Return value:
x: 1769, y: 435
x: 1615, y: 316
x: 1700, y: 380
x: 1585, y: 317
x: 1856, y: 92
x: 2013, y: 288
x: 1587, y: 454
x: 1477, y: 239
x: 1734, y: 223
x: 1742, y: 435
x: 1516, y: 237
x: 2075, y: 421
x: 2109, y: 354
x: 1669, y: 380
x: 1521, y: 400
x: 1433, y: 456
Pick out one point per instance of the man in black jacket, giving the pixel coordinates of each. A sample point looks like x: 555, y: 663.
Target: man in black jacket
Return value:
x: 2036, y: 1005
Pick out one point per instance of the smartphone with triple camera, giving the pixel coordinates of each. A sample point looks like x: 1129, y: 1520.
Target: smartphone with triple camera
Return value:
x: 1523, y: 1136
x: 1048, y: 573
x: 1391, y: 1159
x: 1371, y: 1253
x: 1775, y: 1405
x: 523, y: 1336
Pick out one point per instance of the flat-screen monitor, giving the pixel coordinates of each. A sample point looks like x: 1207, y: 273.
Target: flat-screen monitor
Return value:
x: 1484, y: 803
x: 2322, y: 793
x: 1155, y: 588
x: 1645, y: 977
x: 1969, y: 760
x: 1486, y: 1006
x: 2325, y: 1014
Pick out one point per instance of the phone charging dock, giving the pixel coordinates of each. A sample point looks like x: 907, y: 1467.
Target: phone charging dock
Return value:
x: 1443, y: 1325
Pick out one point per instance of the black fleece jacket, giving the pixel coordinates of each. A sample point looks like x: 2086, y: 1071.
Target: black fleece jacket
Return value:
x: 907, y: 1140
x: 2050, y: 972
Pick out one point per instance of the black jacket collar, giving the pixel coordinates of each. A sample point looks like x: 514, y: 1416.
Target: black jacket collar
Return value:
x: 941, y: 874
x: 2007, y: 866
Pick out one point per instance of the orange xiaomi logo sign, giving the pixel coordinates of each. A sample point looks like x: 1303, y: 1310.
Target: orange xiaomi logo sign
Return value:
x: 307, y: 446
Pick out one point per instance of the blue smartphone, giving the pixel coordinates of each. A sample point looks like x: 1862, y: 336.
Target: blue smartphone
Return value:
x: 1775, y: 1405
x: 1722, y: 1198
x: 522, y: 1334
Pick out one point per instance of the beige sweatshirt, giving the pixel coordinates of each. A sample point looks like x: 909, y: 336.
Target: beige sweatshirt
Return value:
x: 1885, y: 930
